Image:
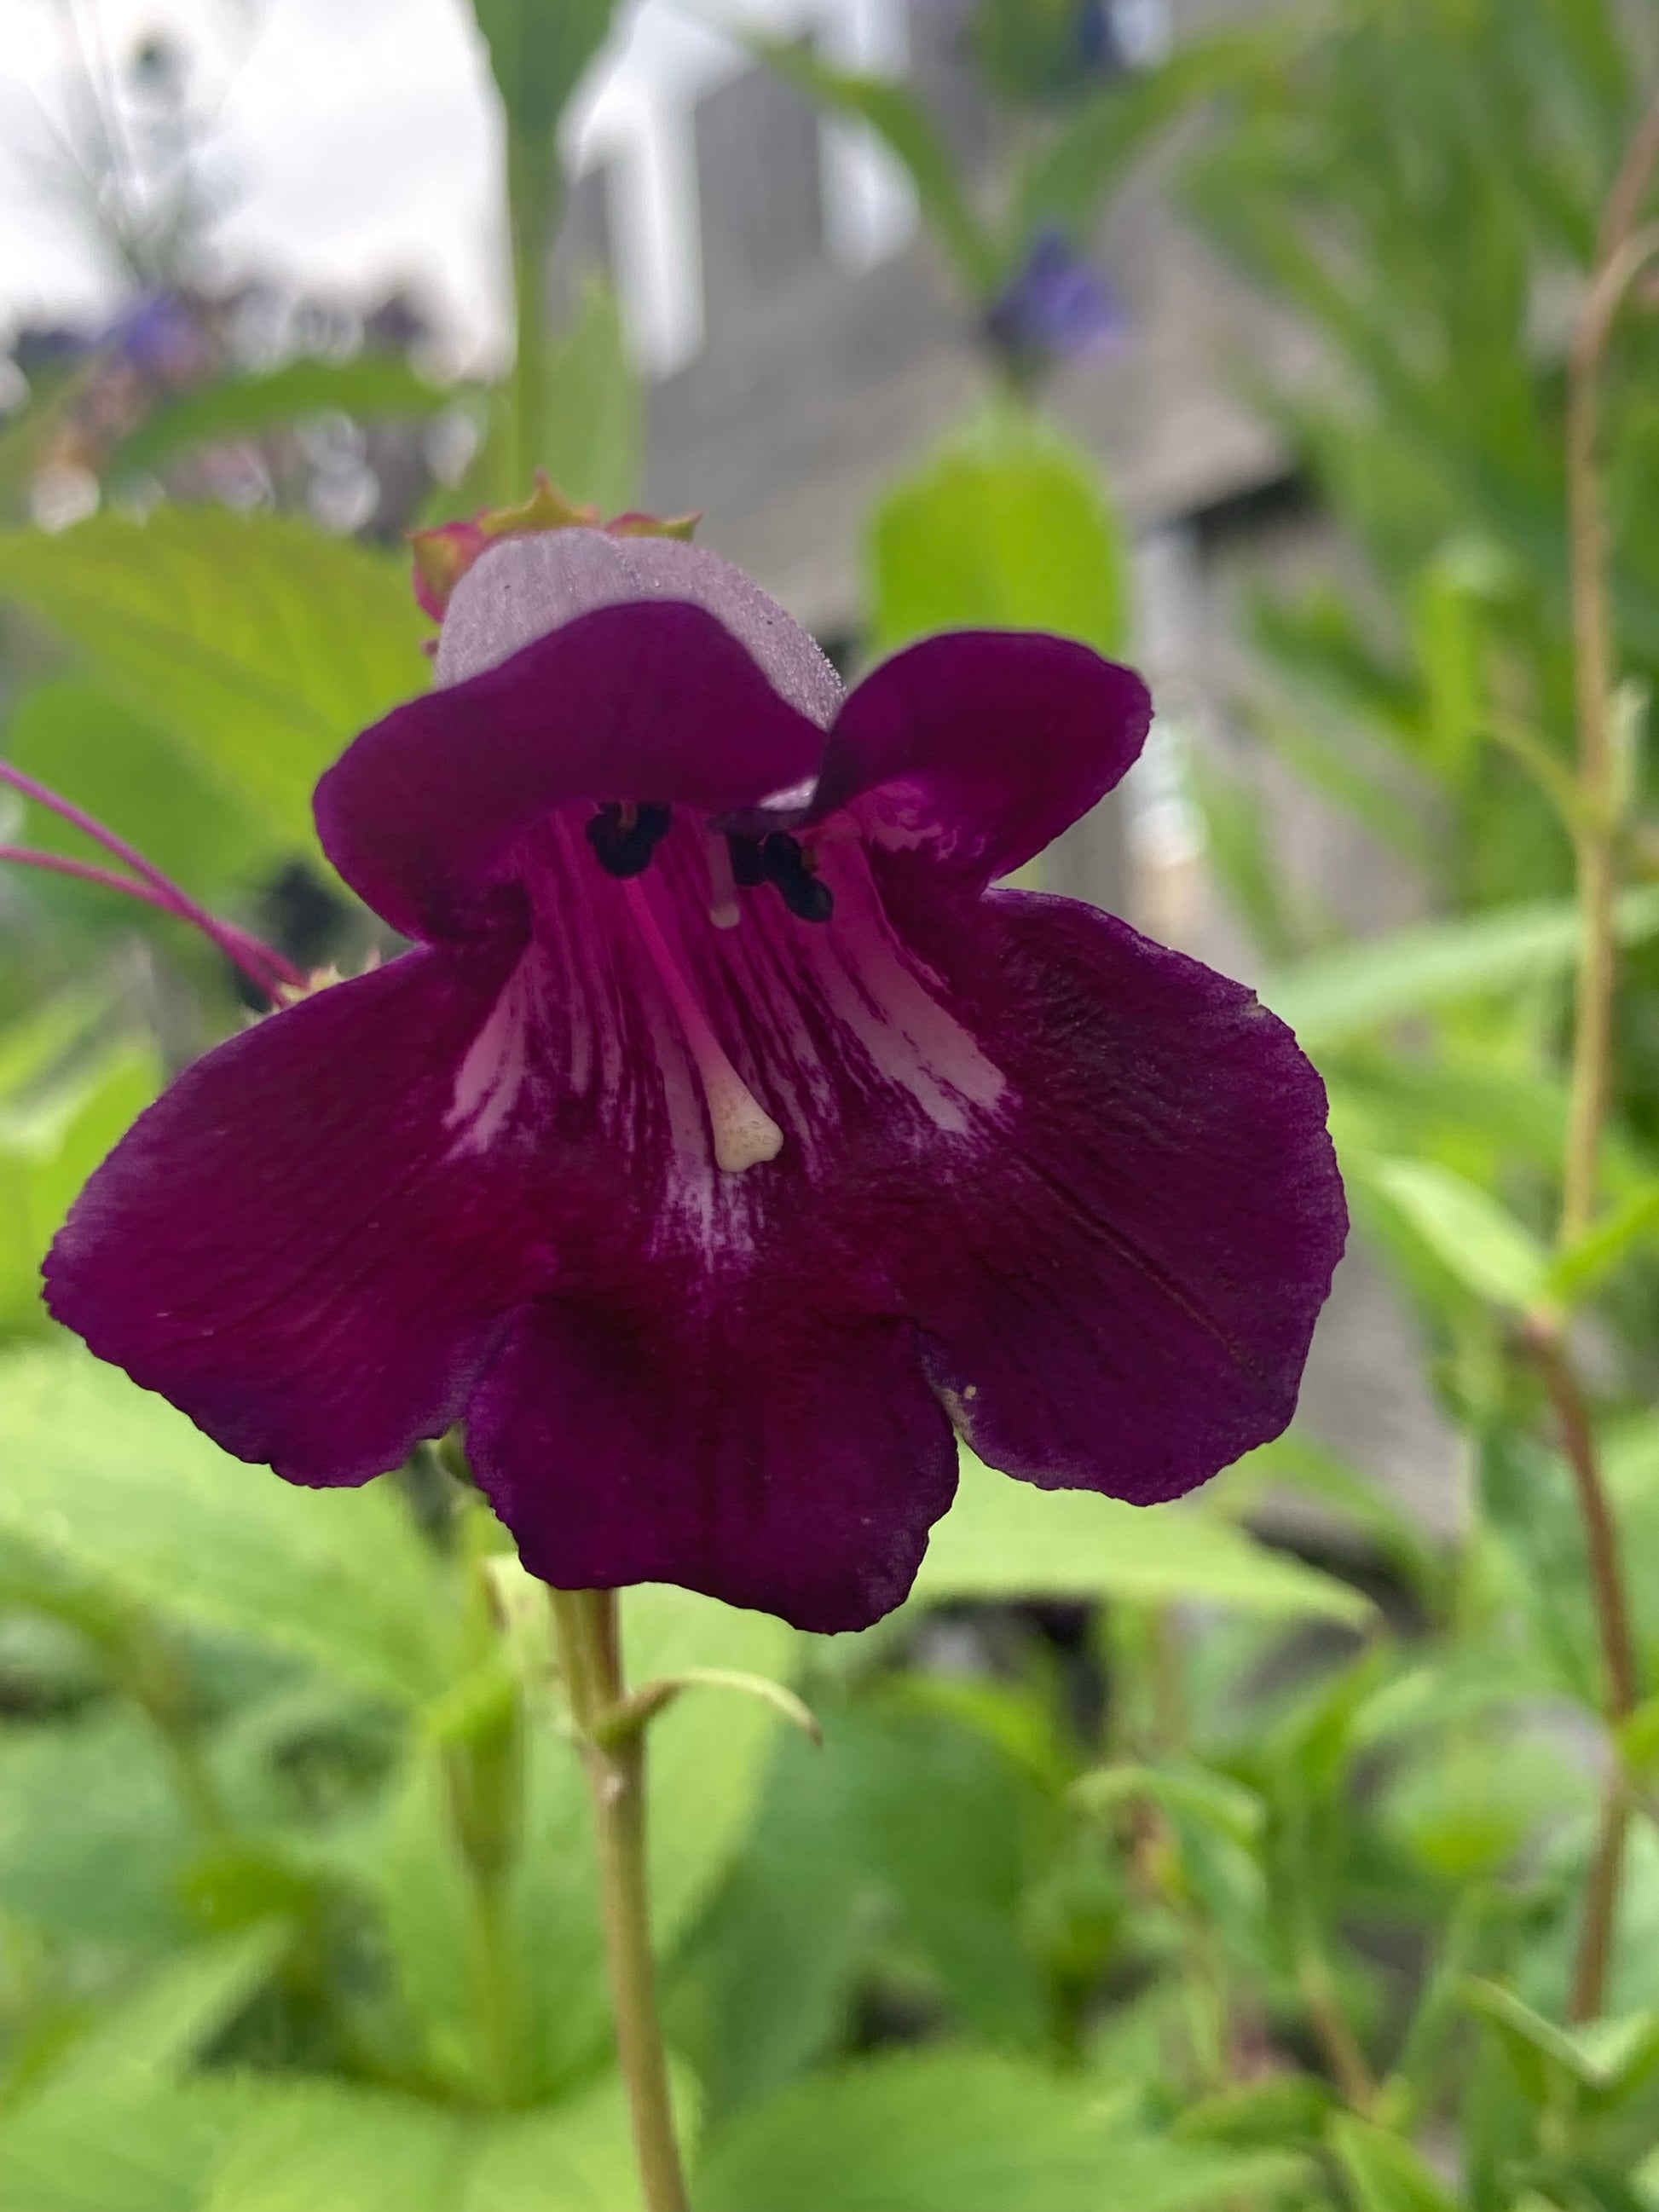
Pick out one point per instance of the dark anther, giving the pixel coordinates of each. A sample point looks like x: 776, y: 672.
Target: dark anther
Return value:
x: 624, y: 838
x: 807, y: 898
x: 748, y: 863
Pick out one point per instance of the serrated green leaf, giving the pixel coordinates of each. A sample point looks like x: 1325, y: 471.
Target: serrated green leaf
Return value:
x: 259, y: 642
x: 1007, y: 1538
x: 113, y: 1481
x: 83, y: 739
x: 1468, y: 1231
x: 1340, y: 994
x: 1008, y: 527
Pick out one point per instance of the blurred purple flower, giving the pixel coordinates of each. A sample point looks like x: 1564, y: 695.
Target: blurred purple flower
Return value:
x: 724, y: 1141
x: 1056, y: 307
x: 160, y: 335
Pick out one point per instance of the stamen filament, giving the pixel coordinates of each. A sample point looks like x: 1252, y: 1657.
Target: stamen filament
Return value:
x: 724, y: 910
x: 744, y: 1134
x: 263, y: 966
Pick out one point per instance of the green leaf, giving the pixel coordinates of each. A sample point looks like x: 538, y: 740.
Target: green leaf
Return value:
x: 578, y: 2156
x: 952, y: 2132
x: 593, y: 431
x: 84, y: 739
x: 1286, y: 2109
x: 1468, y: 1231
x: 1383, y: 2171
x: 1007, y: 1538
x: 1215, y: 1800
x: 91, y: 1832
x: 1075, y: 168
x: 1638, y: 1740
x: 321, y: 2145
x: 1586, y: 1264
x: 1007, y: 527
x: 113, y: 1481
x: 707, y: 1761
x: 540, y: 51
x: 1597, y: 2056
x: 325, y: 2144
x: 47, y: 1153
x: 252, y: 402
x: 1341, y: 993
x: 906, y: 129
x: 150, y: 2150
x: 259, y: 641
x: 179, y: 2009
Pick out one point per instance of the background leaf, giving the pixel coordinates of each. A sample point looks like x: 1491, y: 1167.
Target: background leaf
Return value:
x: 259, y: 641
x: 113, y: 1481
x: 249, y: 403
x: 1007, y: 1538
x: 1007, y: 528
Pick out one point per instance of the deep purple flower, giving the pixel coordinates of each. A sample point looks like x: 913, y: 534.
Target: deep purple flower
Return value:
x: 723, y: 1140
x: 1057, y: 307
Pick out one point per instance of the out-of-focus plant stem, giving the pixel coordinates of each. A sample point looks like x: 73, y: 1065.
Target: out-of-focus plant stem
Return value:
x: 530, y: 211
x: 1621, y: 250
x: 589, y: 1657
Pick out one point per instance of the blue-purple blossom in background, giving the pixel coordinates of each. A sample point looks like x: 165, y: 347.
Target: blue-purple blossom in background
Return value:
x: 724, y: 1145
x: 1056, y: 307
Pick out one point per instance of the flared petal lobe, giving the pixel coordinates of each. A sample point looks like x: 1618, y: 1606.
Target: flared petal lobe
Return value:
x: 292, y: 1246
x: 974, y: 750
x: 1121, y: 1297
x: 573, y: 667
x: 770, y: 1458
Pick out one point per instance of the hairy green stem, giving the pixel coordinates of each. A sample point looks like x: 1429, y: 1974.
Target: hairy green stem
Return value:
x: 1621, y: 250
x: 590, y: 1656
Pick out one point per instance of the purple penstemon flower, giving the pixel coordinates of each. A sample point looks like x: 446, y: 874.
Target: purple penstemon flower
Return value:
x: 724, y: 1144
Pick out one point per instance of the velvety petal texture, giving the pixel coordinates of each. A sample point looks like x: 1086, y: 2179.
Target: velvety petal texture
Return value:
x: 725, y: 1142
x: 981, y: 747
x: 289, y: 1244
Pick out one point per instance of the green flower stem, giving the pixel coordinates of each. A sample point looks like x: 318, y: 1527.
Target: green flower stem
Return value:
x: 1590, y: 1979
x: 531, y: 207
x: 590, y: 1657
x: 1621, y: 250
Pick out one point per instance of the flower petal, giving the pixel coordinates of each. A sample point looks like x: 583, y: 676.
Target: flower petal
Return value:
x: 980, y: 747
x: 1121, y: 1297
x: 770, y: 1458
x: 291, y: 1244
x: 653, y: 701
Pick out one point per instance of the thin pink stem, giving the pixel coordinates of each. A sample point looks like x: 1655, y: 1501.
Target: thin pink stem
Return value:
x: 237, y: 944
x: 263, y: 968
x: 86, y: 871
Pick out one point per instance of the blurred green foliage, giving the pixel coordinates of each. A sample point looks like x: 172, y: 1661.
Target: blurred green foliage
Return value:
x: 1227, y: 1856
